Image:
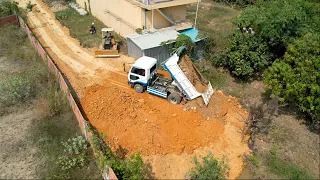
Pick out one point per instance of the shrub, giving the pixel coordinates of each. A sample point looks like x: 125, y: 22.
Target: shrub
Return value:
x: 130, y: 168
x: 209, y: 168
x: 8, y: 8
x: 62, y: 15
x: 58, y: 102
x: 74, y: 154
x: 181, y: 40
x: 246, y: 54
x: 278, y: 22
x: 29, y: 6
x: 296, y: 78
x: 241, y: 3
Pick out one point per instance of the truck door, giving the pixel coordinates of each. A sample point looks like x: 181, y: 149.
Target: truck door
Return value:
x: 138, y: 75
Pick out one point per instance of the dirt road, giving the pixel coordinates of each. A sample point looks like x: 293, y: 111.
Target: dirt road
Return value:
x: 167, y: 135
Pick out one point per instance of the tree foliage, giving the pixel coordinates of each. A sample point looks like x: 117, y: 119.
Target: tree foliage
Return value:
x: 265, y: 30
x: 209, y: 168
x: 296, y: 77
x: 241, y: 3
x: 276, y: 22
x: 246, y: 54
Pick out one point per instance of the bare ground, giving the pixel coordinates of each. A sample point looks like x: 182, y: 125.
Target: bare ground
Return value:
x: 17, y: 155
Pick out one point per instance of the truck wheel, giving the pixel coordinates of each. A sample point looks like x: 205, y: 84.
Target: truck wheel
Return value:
x: 138, y: 88
x: 174, y: 98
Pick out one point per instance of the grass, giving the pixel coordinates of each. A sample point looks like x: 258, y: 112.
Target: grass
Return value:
x: 25, y: 81
x: 79, y: 27
x: 214, y: 20
x: 285, y: 169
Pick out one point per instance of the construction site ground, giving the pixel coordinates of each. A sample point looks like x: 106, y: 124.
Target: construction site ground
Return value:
x: 166, y: 135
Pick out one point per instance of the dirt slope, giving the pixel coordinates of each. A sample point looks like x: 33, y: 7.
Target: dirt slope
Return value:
x: 162, y: 132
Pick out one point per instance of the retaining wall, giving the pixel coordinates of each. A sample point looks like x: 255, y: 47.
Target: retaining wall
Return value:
x: 8, y: 20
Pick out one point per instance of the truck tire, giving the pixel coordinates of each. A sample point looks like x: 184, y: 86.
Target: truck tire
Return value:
x: 174, y: 98
x: 138, y: 88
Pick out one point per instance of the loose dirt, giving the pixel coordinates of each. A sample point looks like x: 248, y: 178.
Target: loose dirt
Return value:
x: 192, y: 73
x: 164, y: 133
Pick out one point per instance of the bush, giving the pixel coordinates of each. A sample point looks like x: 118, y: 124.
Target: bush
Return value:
x: 181, y: 40
x: 8, y: 8
x: 296, y: 78
x: 130, y: 168
x: 278, y: 22
x: 209, y: 168
x: 58, y: 102
x: 246, y: 54
x: 62, y: 15
x: 74, y: 154
x: 241, y: 3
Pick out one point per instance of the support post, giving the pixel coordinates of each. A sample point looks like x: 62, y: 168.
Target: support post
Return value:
x: 152, y: 19
x: 195, y: 20
x: 145, y: 19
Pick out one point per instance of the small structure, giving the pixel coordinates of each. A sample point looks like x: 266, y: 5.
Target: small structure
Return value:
x: 150, y: 44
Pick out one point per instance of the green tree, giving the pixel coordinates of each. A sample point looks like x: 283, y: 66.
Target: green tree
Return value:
x: 296, y: 77
x: 209, y: 168
x: 278, y: 22
x: 246, y: 54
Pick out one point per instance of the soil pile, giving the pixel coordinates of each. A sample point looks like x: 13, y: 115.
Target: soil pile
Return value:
x: 192, y: 74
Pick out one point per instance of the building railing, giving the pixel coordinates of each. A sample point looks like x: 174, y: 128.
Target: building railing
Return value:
x: 149, y: 2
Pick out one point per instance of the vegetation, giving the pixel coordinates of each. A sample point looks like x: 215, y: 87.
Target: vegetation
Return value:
x: 209, y: 168
x: 241, y: 3
x: 74, y: 154
x: 267, y: 29
x: 285, y: 169
x: 8, y: 8
x: 25, y: 81
x: 124, y: 168
x: 181, y: 40
x: 272, y: 33
x: 246, y: 54
x: 79, y: 27
x: 296, y: 77
x: 276, y: 41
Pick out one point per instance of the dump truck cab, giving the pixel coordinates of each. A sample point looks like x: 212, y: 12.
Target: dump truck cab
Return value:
x: 141, y: 72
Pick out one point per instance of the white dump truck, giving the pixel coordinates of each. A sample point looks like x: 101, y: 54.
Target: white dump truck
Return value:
x: 143, y: 76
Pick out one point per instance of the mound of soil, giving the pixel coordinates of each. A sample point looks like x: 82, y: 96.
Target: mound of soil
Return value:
x: 192, y: 74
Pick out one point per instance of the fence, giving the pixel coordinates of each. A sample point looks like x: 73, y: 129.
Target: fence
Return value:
x: 83, y: 124
x: 8, y: 20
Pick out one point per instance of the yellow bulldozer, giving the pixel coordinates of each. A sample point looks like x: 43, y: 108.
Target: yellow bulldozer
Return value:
x: 109, y: 45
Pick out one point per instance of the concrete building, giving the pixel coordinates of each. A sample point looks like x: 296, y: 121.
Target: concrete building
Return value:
x: 126, y: 16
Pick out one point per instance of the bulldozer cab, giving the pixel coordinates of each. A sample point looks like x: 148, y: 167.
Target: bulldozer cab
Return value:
x: 105, y: 30
x: 109, y: 46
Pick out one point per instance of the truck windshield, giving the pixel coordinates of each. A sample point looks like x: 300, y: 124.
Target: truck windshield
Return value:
x: 153, y: 68
x: 138, y: 71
